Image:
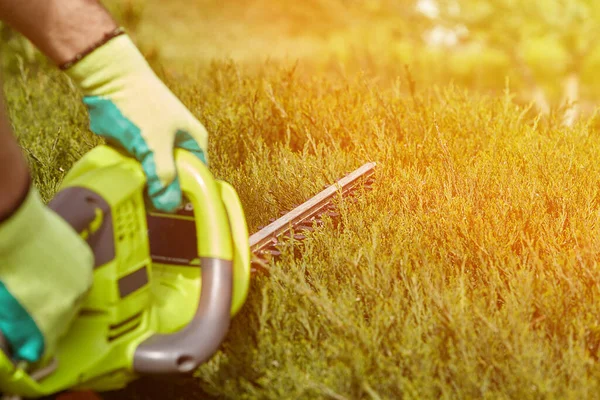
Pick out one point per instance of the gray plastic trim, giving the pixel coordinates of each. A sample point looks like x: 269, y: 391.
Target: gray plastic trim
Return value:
x: 185, y: 350
x: 77, y: 205
x: 132, y: 282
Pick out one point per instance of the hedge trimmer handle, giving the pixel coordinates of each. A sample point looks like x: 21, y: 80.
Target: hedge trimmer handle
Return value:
x: 185, y: 350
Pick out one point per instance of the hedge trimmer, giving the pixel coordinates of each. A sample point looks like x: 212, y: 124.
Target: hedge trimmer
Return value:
x: 165, y: 285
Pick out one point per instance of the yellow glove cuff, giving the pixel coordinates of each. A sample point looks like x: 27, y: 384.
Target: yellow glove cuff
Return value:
x: 107, y: 70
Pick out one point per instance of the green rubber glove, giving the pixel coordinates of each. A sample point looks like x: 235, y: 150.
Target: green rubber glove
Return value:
x: 133, y: 109
x: 46, y: 270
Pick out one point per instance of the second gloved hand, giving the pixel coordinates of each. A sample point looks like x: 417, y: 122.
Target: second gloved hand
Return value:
x: 132, y: 108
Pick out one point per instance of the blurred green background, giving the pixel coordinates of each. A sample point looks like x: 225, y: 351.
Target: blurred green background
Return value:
x: 546, y: 51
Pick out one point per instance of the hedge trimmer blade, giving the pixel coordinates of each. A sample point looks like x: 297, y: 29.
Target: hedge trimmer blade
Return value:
x: 264, y: 243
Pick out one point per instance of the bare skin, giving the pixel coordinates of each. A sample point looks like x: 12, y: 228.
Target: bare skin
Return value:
x: 13, y: 168
x: 60, y: 29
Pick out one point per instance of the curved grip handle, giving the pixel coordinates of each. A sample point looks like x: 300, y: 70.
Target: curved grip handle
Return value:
x: 185, y: 350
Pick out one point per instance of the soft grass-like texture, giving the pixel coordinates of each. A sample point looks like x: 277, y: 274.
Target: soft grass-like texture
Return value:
x: 469, y: 271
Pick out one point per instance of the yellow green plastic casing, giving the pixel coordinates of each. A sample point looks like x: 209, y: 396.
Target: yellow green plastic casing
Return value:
x: 134, y: 298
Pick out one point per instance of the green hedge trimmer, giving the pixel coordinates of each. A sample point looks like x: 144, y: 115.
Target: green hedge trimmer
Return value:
x: 165, y: 285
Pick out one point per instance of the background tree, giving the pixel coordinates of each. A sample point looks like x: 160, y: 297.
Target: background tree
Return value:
x: 526, y: 32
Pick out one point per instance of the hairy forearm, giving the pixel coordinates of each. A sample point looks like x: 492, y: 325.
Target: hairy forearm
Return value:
x: 60, y: 29
x: 14, y: 172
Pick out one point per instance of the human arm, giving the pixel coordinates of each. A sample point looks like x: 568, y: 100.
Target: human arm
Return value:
x: 60, y: 29
x: 45, y: 267
x: 127, y: 103
x: 14, y: 179
x: 131, y: 108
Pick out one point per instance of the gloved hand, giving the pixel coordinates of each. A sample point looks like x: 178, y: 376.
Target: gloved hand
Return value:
x: 133, y: 109
x: 46, y: 270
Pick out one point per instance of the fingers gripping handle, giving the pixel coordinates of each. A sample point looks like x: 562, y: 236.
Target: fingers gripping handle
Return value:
x: 185, y: 350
